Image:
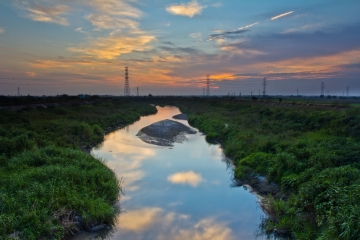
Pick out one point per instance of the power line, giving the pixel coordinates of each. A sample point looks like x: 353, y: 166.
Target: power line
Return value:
x: 208, y: 86
x: 322, y: 88
x: 127, y: 86
x: 264, y: 87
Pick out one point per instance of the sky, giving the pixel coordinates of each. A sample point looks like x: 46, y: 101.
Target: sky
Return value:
x: 50, y: 47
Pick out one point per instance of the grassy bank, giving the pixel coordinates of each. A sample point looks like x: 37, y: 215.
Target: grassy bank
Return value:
x: 312, y: 152
x: 46, y: 178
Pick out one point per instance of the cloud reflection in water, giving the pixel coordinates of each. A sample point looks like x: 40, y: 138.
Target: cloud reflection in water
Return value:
x: 163, y: 225
x: 191, y: 178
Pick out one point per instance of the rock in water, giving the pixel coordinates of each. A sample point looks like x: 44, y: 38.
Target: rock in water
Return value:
x: 181, y: 116
x: 165, y: 133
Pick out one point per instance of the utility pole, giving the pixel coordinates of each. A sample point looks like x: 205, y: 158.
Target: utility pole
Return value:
x: 208, y: 86
x: 127, y: 86
x: 322, y: 88
x: 264, y: 87
x: 137, y: 89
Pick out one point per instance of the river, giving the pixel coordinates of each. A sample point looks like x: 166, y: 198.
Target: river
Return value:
x: 180, y: 192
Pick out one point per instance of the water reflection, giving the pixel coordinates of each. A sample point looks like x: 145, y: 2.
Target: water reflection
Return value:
x: 191, y: 178
x: 179, y: 193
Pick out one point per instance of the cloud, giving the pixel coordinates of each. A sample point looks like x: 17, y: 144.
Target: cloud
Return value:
x: 2, y: 30
x: 196, y: 36
x: 31, y: 74
x: 186, y: 50
x: 67, y: 63
x: 50, y: 14
x: 115, y: 7
x: 102, y: 21
x: 114, y: 45
x: 190, y: 10
x: 230, y: 34
x: 245, y: 52
x: 281, y: 15
x: 168, y: 43
x: 191, y: 178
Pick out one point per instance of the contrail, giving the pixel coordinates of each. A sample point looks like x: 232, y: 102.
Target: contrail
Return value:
x: 248, y: 26
x: 281, y: 15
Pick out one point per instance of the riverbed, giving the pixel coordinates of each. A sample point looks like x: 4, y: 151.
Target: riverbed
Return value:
x: 181, y: 192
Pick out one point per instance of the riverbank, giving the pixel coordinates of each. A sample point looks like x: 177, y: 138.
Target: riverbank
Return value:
x: 311, y: 153
x: 48, y: 184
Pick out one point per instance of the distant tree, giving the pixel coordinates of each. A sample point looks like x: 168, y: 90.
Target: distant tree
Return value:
x: 254, y: 98
x: 150, y: 95
x: 280, y: 99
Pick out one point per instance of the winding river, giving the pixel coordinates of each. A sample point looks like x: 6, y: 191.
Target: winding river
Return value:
x: 176, y: 193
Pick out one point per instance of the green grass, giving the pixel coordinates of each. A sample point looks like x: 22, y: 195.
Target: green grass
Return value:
x: 47, y: 179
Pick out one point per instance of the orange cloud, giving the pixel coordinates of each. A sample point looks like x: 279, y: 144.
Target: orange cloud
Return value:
x: 190, y: 10
x: 72, y: 64
x: 31, y: 74
x: 115, y: 7
x: 319, y: 66
x: 114, y: 45
x: 103, y: 21
x: 51, y: 14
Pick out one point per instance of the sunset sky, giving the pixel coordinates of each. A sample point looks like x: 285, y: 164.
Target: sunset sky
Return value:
x: 50, y: 47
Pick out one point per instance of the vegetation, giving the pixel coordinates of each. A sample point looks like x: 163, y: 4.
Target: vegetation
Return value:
x: 312, y: 152
x: 47, y: 182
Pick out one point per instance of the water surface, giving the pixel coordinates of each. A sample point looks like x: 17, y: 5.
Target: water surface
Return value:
x: 176, y: 193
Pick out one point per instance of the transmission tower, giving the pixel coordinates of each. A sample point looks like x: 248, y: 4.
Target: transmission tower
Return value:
x: 127, y: 87
x: 208, y: 86
x: 264, y: 87
x: 322, y: 88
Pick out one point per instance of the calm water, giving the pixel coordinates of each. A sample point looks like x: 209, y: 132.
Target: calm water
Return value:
x: 177, y: 193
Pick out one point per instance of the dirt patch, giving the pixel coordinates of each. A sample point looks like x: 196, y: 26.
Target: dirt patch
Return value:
x: 165, y: 133
x: 181, y: 116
